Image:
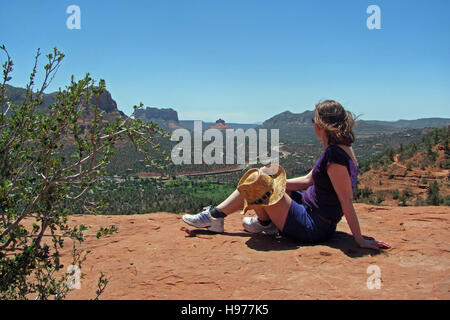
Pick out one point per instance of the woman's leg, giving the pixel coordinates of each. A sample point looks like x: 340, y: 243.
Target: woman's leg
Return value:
x: 277, y: 212
x: 262, y: 214
x: 233, y: 203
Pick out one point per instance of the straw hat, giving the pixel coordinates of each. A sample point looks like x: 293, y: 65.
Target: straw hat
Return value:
x: 262, y: 187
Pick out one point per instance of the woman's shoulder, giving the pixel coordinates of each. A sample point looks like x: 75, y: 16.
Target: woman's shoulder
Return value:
x: 337, y: 154
x: 335, y: 150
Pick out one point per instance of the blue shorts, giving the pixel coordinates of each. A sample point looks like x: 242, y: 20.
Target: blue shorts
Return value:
x: 304, y: 225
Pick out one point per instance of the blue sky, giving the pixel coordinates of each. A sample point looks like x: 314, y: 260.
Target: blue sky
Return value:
x: 245, y: 61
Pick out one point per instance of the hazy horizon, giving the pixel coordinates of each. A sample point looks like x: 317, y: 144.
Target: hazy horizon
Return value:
x: 212, y: 120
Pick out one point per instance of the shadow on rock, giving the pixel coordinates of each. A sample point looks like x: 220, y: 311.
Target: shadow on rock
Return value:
x: 263, y: 242
x: 346, y: 243
x: 203, y: 232
x: 340, y: 240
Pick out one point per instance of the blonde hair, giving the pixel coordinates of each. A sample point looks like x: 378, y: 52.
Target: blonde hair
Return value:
x: 337, y: 122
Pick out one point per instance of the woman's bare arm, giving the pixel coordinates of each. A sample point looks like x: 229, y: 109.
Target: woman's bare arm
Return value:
x: 342, y: 185
x: 299, y: 183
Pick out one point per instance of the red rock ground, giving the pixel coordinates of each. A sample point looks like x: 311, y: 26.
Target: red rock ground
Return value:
x: 152, y: 256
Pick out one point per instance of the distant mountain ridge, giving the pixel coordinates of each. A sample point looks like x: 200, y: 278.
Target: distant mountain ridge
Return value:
x: 292, y: 126
x: 16, y: 96
x: 304, y: 118
x: 291, y: 118
x: 285, y: 121
x: 414, y: 124
x: 295, y: 126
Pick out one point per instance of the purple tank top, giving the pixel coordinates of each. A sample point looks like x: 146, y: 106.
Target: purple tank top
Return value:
x: 321, y: 197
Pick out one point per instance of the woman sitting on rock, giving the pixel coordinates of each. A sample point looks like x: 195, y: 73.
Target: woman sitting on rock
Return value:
x: 311, y: 216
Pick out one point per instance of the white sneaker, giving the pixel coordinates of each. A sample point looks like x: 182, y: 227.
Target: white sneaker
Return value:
x: 204, y: 220
x: 252, y: 225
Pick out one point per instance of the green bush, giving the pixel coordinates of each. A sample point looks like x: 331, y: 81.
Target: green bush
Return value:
x: 434, y: 197
x: 395, y: 194
x: 404, y: 197
x: 39, y: 177
x: 381, y: 196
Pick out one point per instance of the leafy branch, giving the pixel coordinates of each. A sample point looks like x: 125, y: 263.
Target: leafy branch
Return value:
x: 38, y: 177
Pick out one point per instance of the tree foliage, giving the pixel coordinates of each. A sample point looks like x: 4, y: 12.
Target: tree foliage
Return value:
x: 38, y: 177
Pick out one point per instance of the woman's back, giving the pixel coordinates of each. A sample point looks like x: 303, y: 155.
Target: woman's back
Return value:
x: 321, y: 196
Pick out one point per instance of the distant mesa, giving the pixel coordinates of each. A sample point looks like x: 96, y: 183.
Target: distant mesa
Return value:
x: 150, y: 113
x: 220, y: 124
x: 166, y: 118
